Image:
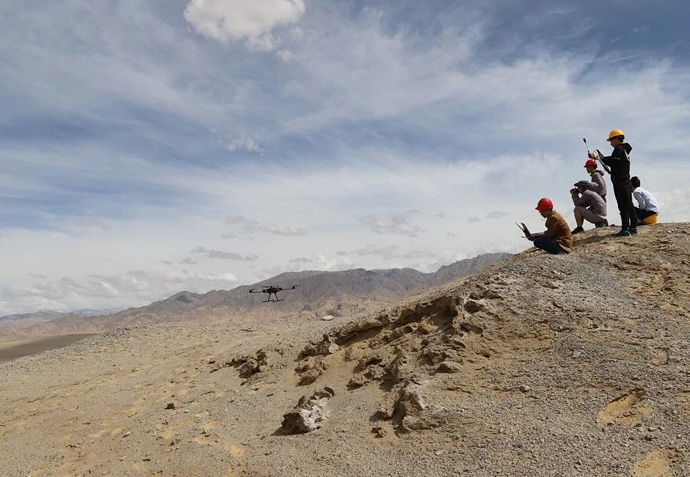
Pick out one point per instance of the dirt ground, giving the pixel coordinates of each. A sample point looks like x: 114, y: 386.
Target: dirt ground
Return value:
x: 13, y: 349
x: 568, y: 365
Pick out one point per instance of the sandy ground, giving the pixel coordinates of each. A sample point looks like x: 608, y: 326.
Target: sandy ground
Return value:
x: 13, y: 349
x: 569, y: 365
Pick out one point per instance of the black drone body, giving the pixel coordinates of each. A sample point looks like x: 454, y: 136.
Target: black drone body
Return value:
x: 271, y: 290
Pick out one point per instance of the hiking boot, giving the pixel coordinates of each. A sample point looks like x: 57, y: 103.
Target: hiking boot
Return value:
x: 603, y: 223
x: 623, y: 233
x: 633, y: 230
x: 577, y: 230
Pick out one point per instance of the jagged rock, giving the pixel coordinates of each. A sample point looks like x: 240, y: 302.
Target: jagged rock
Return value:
x: 472, y: 306
x: 309, y: 414
x: 471, y: 327
x: 310, y: 370
x: 409, y: 402
x: 449, y: 367
x: 322, y: 348
x: 249, y: 365
x: 397, y: 368
x: 357, y: 381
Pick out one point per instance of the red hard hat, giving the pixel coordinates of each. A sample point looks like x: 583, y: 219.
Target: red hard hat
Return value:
x: 544, y: 204
x: 590, y: 162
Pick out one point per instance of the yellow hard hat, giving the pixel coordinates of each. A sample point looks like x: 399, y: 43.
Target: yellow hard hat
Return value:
x: 615, y: 133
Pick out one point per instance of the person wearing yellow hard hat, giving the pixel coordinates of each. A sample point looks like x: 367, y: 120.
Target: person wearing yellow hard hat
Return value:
x: 619, y: 162
x: 557, y: 237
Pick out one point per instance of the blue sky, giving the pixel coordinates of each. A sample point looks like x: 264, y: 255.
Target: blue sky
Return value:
x: 149, y: 147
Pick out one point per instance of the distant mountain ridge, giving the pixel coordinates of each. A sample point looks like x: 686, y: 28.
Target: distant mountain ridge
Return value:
x: 25, y: 320
x: 318, y: 293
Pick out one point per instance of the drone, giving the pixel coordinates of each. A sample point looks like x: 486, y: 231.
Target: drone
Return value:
x: 271, y: 290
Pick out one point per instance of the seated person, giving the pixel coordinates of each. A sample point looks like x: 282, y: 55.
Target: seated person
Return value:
x: 557, y: 237
x: 589, y: 206
x: 647, y: 206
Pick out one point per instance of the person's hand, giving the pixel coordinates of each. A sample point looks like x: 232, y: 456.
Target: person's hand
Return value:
x: 574, y: 191
x: 529, y: 237
x: 591, y: 155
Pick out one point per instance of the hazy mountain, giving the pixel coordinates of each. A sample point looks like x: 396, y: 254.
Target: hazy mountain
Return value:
x: 26, y: 320
x: 318, y: 293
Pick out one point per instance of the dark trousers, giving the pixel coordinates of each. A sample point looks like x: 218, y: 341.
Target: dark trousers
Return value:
x: 550, y: 245
x: 643, y: 214
x: 625, y: 204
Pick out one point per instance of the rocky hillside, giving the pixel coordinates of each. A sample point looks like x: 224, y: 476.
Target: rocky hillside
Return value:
x: 317, y: 294
x: 540, y: 365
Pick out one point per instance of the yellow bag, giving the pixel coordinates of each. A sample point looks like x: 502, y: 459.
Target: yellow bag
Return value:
x: 650, y: 220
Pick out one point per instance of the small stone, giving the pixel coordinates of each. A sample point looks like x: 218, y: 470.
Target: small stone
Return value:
x: 171, y: 405
x: 525, y: 388
x: 126, y: 434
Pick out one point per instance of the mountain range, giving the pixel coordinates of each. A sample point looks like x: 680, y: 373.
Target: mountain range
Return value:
x: 317, y: 294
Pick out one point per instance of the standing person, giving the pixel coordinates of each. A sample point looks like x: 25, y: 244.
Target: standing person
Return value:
x: 557, y: 237
x: 588, y: 206
x: 619, y: 162
x: 647, y: 209
x: 598, y: 183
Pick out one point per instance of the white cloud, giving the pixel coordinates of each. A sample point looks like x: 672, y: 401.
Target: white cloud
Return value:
x: 264, y: 43
x: 398, y: 224
x: 246, y: 143
x: 285, y: 55
x: 219, y: 254
x: 239, y: 19
x: 248, y: 228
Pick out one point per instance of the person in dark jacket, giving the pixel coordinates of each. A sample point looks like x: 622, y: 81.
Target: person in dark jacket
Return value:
x: 619, y: 162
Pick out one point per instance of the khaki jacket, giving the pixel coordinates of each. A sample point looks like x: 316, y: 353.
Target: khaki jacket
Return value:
x: 557, y: 228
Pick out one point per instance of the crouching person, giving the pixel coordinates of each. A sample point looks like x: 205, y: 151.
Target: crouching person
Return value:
x: 557, y: 237
x: 589, y: 206
x: 648, y: 207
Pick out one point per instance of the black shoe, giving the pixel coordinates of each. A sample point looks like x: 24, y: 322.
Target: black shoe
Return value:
x: 633, y: 230
x: 603, y: 223
x: 623, y: 233
x: 577, y: 230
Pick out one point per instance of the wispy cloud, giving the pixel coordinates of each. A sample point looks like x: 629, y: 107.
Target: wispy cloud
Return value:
x: 219, y: 254
x: 496, y: 214
x: 245, y: 143
x: 399, y: 224
x: 249, y: 228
